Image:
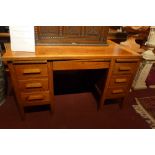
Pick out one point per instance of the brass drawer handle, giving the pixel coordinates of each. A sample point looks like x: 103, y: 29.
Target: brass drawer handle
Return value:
x: 118, y: 91
x: 34, y: 97
x: 31, y: 71
x: 33, y: 85
x: 120, y: 80
x: 124, y: 68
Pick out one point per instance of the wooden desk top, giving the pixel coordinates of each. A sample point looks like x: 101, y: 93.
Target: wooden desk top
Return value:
x: 113, y: 50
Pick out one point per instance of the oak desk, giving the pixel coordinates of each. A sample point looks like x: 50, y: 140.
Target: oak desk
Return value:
x: 32, y: 73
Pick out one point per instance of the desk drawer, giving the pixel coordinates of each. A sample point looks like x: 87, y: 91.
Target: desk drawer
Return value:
x: 116, y: 92
x: 124, y: 68
x: 35, y: 98
x: 30, y: 70
x: 78, y: 65
x: 120, y: 80
x: 33, y: 85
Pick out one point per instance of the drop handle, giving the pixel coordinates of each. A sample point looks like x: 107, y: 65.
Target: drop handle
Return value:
x: 124, y: 68
x: 118, y: 91
x: 35, y: 97
x: 33, y: 85
x: 120, y: 80
x: 32, y: 71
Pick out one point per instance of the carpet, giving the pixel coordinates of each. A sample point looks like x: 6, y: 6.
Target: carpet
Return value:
x: 146, y: 108
x: 73, y: 111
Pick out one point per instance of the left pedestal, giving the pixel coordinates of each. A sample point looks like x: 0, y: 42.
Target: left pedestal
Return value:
x: 32, y: 82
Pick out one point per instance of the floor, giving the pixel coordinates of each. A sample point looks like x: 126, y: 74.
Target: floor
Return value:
x: 75, y: 111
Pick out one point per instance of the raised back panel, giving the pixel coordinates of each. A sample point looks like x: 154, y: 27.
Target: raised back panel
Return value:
x: 71, y: 35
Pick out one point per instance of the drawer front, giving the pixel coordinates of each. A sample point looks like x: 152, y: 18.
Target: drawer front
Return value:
x: 116, y: 92
x: 73, y: 65
x: 30, y: 70
x: 120, y: 80
x: 124, y: 68
x: 35, y: 98
x: 33, y: 85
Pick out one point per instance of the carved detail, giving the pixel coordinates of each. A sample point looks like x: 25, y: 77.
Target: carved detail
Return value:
x: 52, y: 30
x: 60, y: 30
x: 93, y: 30
x: 72, y: 30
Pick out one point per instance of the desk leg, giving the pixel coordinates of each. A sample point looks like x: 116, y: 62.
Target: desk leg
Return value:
x: 105, y: 88
x: 51, y: 85
x: 121, y: 104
